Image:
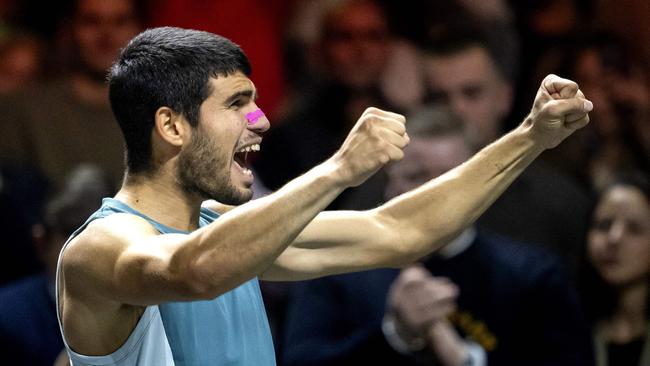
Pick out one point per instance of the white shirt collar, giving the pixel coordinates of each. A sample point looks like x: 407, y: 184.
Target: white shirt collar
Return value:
x: 458, y: 245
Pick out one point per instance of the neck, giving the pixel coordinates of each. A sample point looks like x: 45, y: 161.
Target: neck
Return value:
x: 629, y: 319
x: 161, y: 198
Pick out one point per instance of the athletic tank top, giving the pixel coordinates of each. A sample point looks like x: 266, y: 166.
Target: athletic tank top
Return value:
x: 231, y: 329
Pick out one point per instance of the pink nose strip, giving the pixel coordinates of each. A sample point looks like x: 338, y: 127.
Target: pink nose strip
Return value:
x: 254, y: 116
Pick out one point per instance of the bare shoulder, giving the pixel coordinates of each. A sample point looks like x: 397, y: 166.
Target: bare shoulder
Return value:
x: 91, y: 255
x: 94, y: 319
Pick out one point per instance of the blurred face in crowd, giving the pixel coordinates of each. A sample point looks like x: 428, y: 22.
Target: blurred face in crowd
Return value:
x: 100, y: 29
x: 20, y: 65
x: 617, y: 84
x: 426, y: 158
x: 553, y: 17
x: 619, y: 236
x: 356, y: 43
x: 590, y: 73
x: 469, y: 82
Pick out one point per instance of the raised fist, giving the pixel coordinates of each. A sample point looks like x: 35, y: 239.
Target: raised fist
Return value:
x: 377, y: 138
x: 560, y: 108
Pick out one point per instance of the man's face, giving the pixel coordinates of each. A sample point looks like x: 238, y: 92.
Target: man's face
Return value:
x: 213, y: 164
x: 424, y: 159
x: 357, y: 44
x: 100, y: 29
x: 469, y: 82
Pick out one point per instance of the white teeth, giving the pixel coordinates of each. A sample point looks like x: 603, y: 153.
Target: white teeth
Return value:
x: 250, y: 148
x: 247, y: 171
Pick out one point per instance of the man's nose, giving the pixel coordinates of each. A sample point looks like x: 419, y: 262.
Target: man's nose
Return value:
x: 257, y: 120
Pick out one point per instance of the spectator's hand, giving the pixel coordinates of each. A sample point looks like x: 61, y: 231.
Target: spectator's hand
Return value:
x: 418, y: 300
x: 377, y: 138
x: 445, y: 342
x: 560, y: 108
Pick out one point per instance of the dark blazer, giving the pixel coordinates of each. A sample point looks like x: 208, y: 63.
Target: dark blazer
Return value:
x: 29, y: 332
x: 514, y: 300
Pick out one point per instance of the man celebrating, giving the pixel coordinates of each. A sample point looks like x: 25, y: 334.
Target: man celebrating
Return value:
x: 153, y: 278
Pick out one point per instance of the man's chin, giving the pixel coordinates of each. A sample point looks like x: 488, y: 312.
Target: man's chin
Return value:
x: 237, y: 197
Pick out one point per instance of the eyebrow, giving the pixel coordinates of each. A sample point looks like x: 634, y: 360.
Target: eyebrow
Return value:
x: 249, y: 93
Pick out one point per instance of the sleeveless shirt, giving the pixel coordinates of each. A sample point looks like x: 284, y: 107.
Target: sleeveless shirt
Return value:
x: 231, y: 329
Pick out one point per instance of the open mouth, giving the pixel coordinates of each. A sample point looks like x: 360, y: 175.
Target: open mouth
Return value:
x: 241, y: 157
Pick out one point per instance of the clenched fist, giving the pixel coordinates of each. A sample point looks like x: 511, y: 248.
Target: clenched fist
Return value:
x: 377, y: 138
x: 560, y: 108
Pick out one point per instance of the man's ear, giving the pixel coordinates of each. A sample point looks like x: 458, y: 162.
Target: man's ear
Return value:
x: 171, y: 126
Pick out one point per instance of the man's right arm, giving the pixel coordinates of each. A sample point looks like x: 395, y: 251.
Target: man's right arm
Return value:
x: 120, y: 258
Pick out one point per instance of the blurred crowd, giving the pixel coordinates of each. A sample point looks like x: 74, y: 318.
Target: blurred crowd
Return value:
x: 556, y: 272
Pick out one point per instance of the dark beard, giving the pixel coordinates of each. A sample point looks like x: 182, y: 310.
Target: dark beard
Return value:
x: 204, y: 172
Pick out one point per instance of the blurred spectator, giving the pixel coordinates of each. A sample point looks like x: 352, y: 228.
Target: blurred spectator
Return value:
x: 21, y: 61
x: 256, y: 25
x: 355, y: 40
x: 515, y: 306
x: 465, y: 72
x: 313, y: 50
x: 492, y: 11
x: 548, y: 30
x: 493, y: 19
x: 29, y: 333
x: 613, y: 76
x: 56, y: 125
x: 22, y: 196
x: 617, y: 275
x: 630, y: 22
x: 31, y: 16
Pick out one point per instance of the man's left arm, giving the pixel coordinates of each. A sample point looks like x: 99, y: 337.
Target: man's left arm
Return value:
x: 338, y: 242
x: 410, y: 225
x: 418, y: 222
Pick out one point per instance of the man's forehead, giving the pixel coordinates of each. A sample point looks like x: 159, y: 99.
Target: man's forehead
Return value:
x: 225, y: 86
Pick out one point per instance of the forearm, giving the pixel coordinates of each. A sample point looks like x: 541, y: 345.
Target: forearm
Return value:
x: 247, y: 240
x: 431, y: 215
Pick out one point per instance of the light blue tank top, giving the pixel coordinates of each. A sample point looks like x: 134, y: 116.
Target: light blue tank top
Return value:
x: 231, y: 329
